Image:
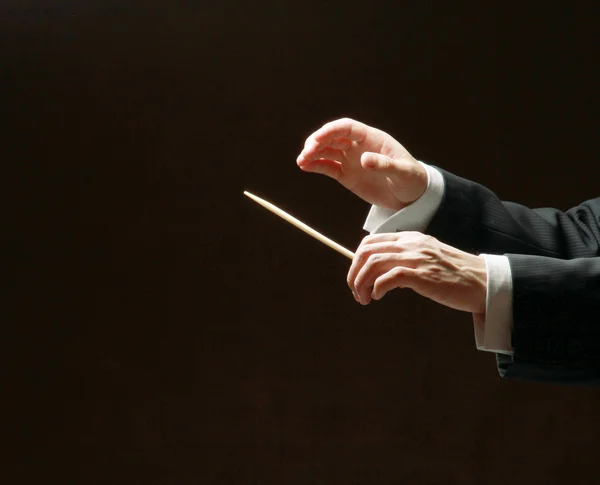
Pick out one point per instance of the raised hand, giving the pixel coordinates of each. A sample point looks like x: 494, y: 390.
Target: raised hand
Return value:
x: 365, y: 160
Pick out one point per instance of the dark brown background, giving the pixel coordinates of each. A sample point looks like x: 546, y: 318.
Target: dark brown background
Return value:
x: 162, y: 329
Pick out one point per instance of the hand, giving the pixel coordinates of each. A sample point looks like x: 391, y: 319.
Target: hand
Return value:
x: 413, y: 260
x: 365, y: 160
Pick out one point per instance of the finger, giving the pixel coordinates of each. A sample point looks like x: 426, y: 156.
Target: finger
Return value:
x: 397, y: 277
x: 326, y: 153
x: 363, y: 253
x: 377, y: 238
x: 390, y: 242
x: 331, y: 168
x: 403, y: 237
x: 343, y: 128
x: 310, y: 146
x: 376, y: 161
x: 312, y: 149
x: 376, y: 265
x: 341, y: 143
x: 384, y: 164
x: 398, y: 170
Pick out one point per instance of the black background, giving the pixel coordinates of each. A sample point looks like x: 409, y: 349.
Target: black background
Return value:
x: 162, y: 328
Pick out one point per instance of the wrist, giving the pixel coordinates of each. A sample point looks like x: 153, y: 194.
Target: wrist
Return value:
x: 417, y: 181
x: 480, y: 273
x: 422, y: 178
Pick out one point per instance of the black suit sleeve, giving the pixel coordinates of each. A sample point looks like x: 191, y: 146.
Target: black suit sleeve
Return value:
x: 555, y: 263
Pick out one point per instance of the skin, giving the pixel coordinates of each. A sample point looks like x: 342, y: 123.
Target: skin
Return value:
x: 365, y: 160
x: 379, y: 170
x: 413, y: 260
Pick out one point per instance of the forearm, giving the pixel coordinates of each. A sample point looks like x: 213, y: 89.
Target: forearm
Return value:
x: 556, y: 305
x: 472, y: 218
x: 556, y: 332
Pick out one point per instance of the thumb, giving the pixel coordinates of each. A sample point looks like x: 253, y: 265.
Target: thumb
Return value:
x: 378, y: 162
x: 331, y: 168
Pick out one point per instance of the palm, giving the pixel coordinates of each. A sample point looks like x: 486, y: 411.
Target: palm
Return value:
x: 337, y: 149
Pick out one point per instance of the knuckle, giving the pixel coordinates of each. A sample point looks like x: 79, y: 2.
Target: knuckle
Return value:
x: 309, y: 143
x: 375, y: 258
x: 377, y: 283
x: 358, y: 282
x: 361, y: 253
x: 431, y: 240
x: 364, y: 254
x: 430, y: 254
x: 398, y: 272
x: 412, y: 237
x: 349, y: 281
x: 368, y: 239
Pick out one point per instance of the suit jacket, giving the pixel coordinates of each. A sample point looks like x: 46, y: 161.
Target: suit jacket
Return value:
x: 555, y: 263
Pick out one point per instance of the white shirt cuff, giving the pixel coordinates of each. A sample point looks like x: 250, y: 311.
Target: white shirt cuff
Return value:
x: 493, y: 330
x: 414, y: 217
